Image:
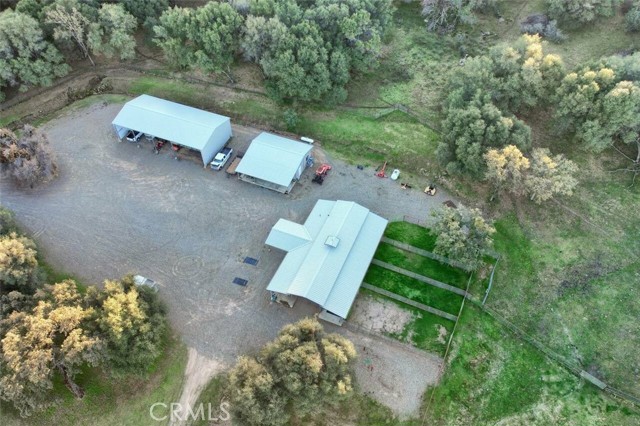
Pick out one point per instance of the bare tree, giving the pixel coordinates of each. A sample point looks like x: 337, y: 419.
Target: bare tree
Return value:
x: 70, y: 24
x: 28, y: 159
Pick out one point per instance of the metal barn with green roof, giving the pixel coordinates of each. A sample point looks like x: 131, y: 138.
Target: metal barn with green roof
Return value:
x: 274, y: 162
x: 327, y: 257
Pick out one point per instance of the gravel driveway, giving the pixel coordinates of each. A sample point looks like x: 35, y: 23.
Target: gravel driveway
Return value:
x: 118, y: 209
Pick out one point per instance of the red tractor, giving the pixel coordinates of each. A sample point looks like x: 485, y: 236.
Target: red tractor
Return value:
x: 321, y: 173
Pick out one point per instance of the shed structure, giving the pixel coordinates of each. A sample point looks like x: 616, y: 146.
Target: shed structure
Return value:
x: 179, y: 124
x: 274, y: 162
x: 327, y: 257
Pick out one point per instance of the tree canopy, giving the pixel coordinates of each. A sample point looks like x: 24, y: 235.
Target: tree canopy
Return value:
x: 542, y: 177
x: 550, y: 176
x: 516, y: 76
x: 26, y: 58
x: 599, y: 108
x: 443, y: 16
x: 303, y: 368
x: 485, y: 93
x: 112, y: 33
x: 28, y: 159
x: 463, y: 234
x: 205, y: 38
x: 131, y: 323
x: 506, y: 169
x: 48, y: 339
x: 472, y: 127
x: 145, y: 10
x: 308, y: 50
x: 18, y: 262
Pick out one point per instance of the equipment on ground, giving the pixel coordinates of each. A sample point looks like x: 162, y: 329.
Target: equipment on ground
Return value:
x: 430, y: 190
x: 381, y: 173
x: 321, y: 173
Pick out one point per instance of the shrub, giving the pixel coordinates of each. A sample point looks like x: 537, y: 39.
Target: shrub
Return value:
x: 541, y: 24
x: 580, y: 12
x: 28, y: 159
x: 291, y: 119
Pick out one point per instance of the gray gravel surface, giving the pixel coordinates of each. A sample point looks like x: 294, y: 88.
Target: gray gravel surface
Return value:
x: 117, y: 208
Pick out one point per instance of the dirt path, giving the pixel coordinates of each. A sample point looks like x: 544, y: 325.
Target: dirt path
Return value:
x: 200, y: 369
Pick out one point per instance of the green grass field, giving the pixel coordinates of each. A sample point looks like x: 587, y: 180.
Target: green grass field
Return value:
x: 414, y: 235
x: 413, y: 289
x: 572, y: 281
x: 493, y: 378
x: 422, y: 265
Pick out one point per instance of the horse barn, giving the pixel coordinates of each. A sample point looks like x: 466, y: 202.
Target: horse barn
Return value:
x: 327, y: 257
x: 274, y: 162
x: 198, y: 130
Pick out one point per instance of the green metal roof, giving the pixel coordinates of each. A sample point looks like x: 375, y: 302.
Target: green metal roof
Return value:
x: 273, y: 158
x: 329, y: 268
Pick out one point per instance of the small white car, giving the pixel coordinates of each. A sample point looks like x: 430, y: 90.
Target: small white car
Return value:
x: 133, y: 136
x: 141, y: 281
x: 221, y: 158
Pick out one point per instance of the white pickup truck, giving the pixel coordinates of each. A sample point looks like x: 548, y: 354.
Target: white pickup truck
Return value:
x: 221, y: 158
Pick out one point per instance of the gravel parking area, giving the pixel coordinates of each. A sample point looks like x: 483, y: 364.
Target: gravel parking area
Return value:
x: 118, y: 208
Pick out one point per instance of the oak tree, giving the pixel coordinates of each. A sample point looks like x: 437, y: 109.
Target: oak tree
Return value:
x: 580, y: 12
x: 70, y: 25
x: 462, y: 234
x: 131, y: 323
x: 18, y: 263
x: 471, y: 128
x: 506, y: 169
x: 550, y: 176
x: 112, y: 33
x: 303, y: 368
x: 49, y: 340
x: 205, y: 38
x: 27, y: 59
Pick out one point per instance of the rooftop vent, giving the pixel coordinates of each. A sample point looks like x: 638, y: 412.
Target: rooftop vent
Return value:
x: 332, y: 241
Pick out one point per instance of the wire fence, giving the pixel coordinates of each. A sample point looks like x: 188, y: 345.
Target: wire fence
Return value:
x: 446, y: 352
x: 557, y: 358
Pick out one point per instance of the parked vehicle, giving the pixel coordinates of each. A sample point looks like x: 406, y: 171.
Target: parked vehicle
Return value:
x: 149, y: 137
x: 221, y: 158
x: 141, y: 281
x: 133, y: 136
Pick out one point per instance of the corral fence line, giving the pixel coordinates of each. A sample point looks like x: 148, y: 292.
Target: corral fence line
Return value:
x: 446, y: 352
x: 425, y: 253
x: 389, y: 108
x: 405, y: 109
x: 409, y: 302
x: 559, y: 359
x: 421, y: 278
